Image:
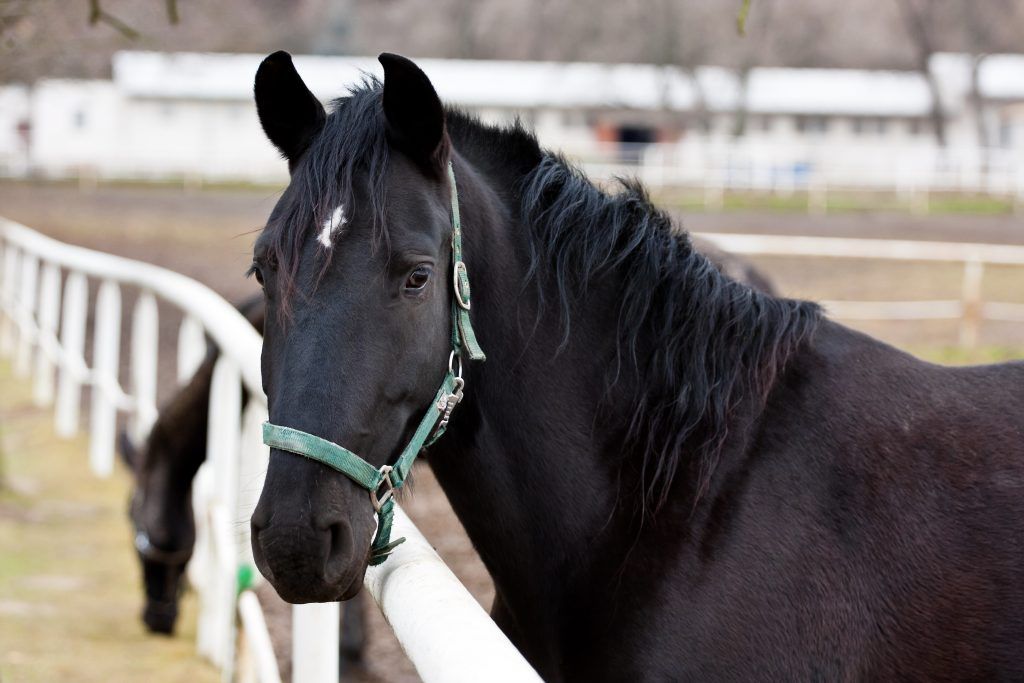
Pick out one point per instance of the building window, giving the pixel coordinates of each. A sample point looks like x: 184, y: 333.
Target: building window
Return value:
x: 812, y: 125
x: 917, y: 127
x: 1006, y: 134
x: 869, y: 125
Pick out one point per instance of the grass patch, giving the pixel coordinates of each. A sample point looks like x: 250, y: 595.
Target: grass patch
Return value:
x: 955, y: 355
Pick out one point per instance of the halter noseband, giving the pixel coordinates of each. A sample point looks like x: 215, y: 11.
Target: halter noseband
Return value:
x: 431, y: 427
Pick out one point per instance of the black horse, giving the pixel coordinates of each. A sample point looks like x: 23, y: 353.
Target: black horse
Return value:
x: 668, y: 474
x: 161, y: 502
x: 160, y: 508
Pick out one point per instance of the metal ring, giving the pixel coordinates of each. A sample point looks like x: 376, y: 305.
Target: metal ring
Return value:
x: 463, y: 303
x: 451, y: 368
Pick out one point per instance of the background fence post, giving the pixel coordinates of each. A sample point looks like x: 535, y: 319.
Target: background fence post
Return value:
x: 26, y: 314
x: 106, y: 352
x: 970, y: 324
x: 71, y: 361
x: 191, y: 348
x: 48, y: 347
x: 10, y: 298
x: 145, y: 348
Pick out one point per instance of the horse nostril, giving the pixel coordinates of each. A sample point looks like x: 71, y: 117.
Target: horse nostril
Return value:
x: 340, y: 535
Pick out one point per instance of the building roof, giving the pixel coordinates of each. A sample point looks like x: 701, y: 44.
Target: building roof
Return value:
x: 1002, y: 77
x: 520, y: 84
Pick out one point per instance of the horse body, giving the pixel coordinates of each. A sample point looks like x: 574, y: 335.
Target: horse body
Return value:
x: 863, y: 522
x: 668, y: 474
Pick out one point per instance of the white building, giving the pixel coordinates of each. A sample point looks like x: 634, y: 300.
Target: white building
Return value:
x: 187, y: 115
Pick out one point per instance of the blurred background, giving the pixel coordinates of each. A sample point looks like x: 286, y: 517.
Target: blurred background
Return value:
x: 128, y: 126
x: 867, y: 118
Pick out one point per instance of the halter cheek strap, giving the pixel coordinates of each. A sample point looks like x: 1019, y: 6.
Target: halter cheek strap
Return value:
x: 382, y: 482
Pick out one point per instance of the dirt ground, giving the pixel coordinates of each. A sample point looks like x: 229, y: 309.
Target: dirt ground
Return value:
x: 208, y: 235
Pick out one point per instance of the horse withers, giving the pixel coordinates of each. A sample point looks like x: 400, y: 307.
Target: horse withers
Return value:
x: 668, y: 474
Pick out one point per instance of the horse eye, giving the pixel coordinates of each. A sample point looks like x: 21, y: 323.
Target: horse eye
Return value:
x: 257, y: 273
x: 418, y: 278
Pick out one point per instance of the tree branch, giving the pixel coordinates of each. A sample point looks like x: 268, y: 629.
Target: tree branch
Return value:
x: 741, y: 18
x: 172, y: 11
x: 98, y: 15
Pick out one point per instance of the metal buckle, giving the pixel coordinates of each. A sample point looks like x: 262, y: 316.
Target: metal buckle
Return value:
x: 464, y: 304
x: 446, y: 404
x: 378, y: 503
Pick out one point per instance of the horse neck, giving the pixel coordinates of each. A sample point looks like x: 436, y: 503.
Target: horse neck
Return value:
x: 531, y: 464
x: 175, y: 450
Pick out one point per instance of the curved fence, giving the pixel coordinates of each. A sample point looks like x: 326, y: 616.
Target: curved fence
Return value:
x: 44, y: 301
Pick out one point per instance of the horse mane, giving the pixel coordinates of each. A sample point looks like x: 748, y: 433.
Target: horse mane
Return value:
x: 698, y: 342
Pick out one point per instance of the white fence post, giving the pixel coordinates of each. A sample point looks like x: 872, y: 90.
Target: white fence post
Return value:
x: 315, y: 633
x: 26, y: 314
x: 199, y: 567
x: 264, y: 664
x: 222, y: 454
x: 10, y: 302
x: 191, y: 348
x: 106, y: 352
x: 72, y: 356
x: 48, y: 347
x: 252, y: 470
x: 145, y: 348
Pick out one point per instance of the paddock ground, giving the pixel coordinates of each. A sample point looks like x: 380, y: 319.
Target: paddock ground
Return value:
x: 208, y: 235
x: 70, y: 589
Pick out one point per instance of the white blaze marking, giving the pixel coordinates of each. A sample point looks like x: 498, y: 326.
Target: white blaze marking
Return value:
x: 331, y: 226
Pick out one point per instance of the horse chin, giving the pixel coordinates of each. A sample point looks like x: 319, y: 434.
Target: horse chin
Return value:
x: 322, y: 593
x: 353, y: 588
x: 160, y: 617
x: 344, y: 587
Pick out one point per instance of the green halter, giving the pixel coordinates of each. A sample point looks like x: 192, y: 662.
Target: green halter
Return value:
x: 431, y: 427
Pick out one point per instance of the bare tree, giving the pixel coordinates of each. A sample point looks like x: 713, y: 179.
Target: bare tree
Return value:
x: 55, y: 37
x: 917, y: 19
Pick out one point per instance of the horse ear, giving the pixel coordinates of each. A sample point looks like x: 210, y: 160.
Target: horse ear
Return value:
x: 414, y: 113
x: 290, y: 114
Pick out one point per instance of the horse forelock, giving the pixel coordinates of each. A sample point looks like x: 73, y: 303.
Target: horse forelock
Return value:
x: 320, y: 200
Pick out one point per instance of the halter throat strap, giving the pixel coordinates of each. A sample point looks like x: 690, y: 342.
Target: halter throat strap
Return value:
x: 382, y: 482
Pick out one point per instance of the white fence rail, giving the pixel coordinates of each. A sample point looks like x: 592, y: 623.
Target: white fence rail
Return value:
x: 970, y: 309
x: 43, y: 325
